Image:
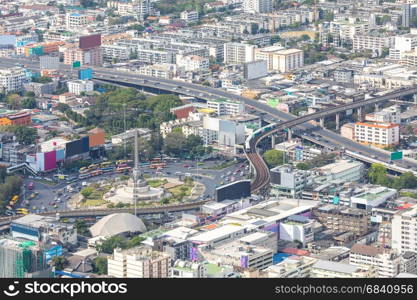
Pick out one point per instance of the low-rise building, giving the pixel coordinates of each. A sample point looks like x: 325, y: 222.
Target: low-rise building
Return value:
x: 330, y: 269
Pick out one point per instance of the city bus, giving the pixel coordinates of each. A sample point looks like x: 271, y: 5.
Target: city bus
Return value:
x: 158, y: 165
x: 123, y: 169
x: 83, y: 170
x: 106, y: 164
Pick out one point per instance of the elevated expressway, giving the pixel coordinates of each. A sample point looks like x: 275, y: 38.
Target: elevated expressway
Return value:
x: 208, y: 93
x: 262, y: 177
x: 104, y: 212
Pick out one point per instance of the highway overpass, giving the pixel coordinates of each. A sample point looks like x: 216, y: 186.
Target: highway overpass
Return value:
x: 208, y: 93
x: 104, y: 212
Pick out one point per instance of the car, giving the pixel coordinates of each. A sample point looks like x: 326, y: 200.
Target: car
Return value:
x: 186, y: 166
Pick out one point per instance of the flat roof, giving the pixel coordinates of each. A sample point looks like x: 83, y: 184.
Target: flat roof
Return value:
x: 216, y: 233
x: 335, y: 266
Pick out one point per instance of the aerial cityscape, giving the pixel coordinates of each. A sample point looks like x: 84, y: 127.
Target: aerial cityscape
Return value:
x: 208, y: 139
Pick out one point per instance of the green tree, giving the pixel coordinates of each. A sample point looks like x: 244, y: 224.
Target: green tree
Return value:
x: 302, y: 166
x: 112, y: 243
x: 13, y: 100
x: 174, y: 144
x: 24, y: 135
x: 99, y: 265
x: 377, y: 173
x: 59, y: 262
x: 273, y: 158
x: 135, y: 241
x: 87, y: 191
x: 28, y: 102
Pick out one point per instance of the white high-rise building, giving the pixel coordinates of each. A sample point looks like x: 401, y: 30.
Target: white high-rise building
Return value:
x: 80, y: 86
x: 257, y: 6
x: 404, y: 230
x: 12, y: 79
x: 386, y: 262
x: 238, y: 53
x: 226, y: 107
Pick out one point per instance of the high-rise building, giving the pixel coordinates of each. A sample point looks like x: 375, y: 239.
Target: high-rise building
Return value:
x: 406, y: 15
x: 19, y: 259
x: 139, y: 262
x: 12, y: 79
x: 404, y: 230
x: 257, y: 6
x: 238, y: 53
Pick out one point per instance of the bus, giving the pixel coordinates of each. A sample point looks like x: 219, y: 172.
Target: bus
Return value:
x: 106, y: 164
x: 158, y: 165
x: 83, y: 170
x: 123, y: 170
x: 31, y: 185
x: 93, y: 167
x: 22, y: 211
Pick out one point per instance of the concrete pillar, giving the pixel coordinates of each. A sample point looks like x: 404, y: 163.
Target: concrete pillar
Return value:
x: 289, y: 134
x: 273, y: 141
x: 322, y: 122
x: 360, y: 114
x: 337, y: 121
x: 415, y: 98
x: 376, y: 107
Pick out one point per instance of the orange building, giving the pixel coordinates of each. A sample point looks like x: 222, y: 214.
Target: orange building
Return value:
x: 16, y: 119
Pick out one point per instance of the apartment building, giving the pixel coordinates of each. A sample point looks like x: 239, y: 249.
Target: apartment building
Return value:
x: 372, y: 42
x: 226, y: 107
x: 341, y: 220
x: 92, y: 57
x: 187, y: 269
x: 257, y: 6
x: 377, y: 134
x: 237, y: 53
x: 402, y: 43
x: 280, y: 59
x: 116, y: 51
x: 139, y: 262
x: 193, y: 62
x: 189, y: 16
x: 390, y: 114
x: 167, y: 71
x: 404, y: 230
x: 75, y: 20
x: 80, y: 86
x: 12, y: 79
x: 297, y: 228
x: 385, y: 261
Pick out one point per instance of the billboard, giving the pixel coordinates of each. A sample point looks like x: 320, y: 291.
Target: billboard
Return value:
x: 85, y: 144
x: 236, y: 190
x: 97, y: 138
x: 60, y: 155
x: 84, y: 74
x: 50, y: 160
x: 90, y: 41
x: 73, y: 148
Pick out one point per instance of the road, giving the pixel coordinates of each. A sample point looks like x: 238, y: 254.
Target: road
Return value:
x: 208, y: 93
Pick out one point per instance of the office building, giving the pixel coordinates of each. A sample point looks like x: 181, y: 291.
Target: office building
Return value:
x: 238, y: 53
x: 226, y: 107
x: 289, y: 181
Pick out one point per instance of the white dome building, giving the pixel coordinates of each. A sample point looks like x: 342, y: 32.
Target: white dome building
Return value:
x: 117, y: 223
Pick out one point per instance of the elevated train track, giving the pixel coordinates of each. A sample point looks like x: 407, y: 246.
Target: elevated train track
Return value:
x: 262, y: 177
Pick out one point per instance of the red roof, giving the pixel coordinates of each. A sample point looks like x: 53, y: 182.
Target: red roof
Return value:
x: 295, y: 251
